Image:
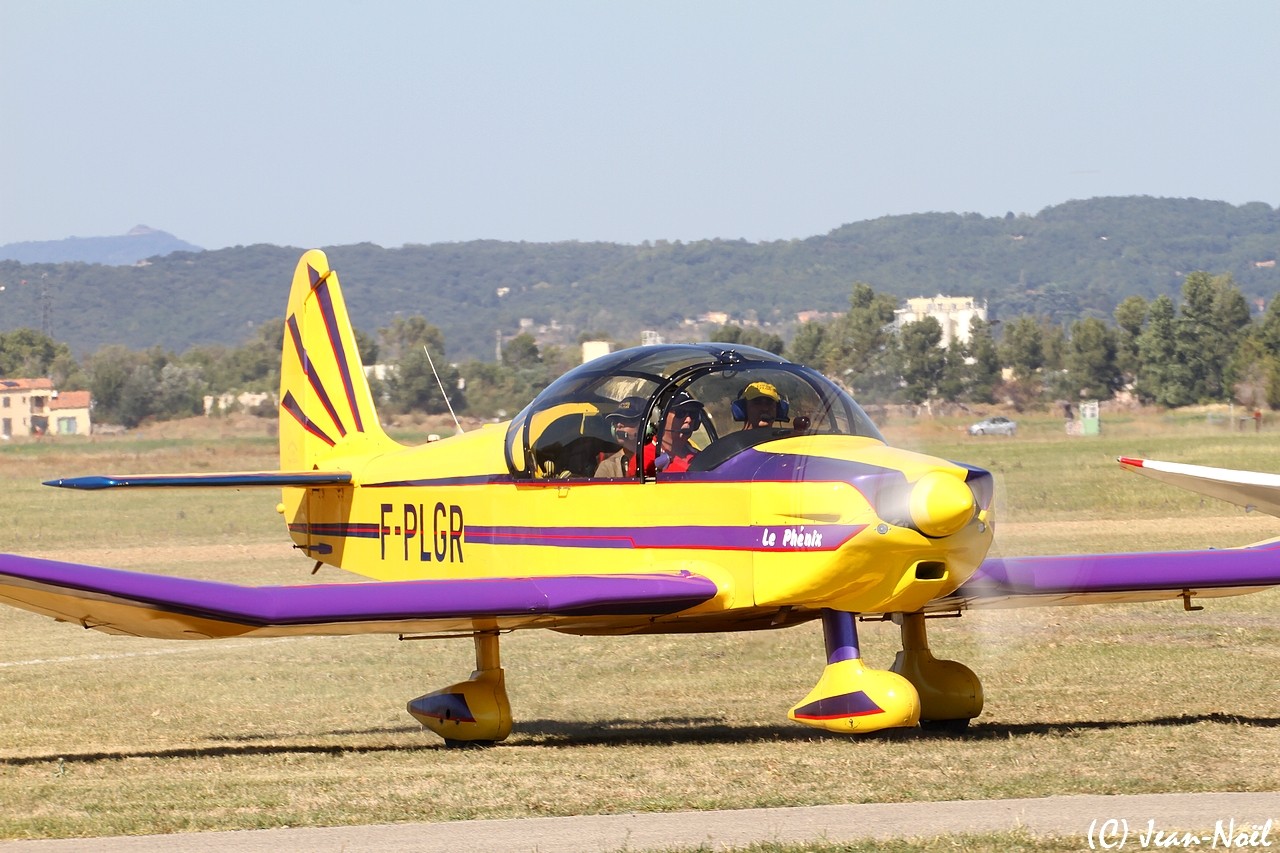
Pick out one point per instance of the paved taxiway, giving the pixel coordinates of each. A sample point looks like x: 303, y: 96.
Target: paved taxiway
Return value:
x: 1065, y: 816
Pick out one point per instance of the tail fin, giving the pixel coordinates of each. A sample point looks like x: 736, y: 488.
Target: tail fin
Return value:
x: 326, y: 408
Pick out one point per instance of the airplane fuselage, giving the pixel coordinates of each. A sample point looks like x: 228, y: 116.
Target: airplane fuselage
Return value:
x: 784, y: 528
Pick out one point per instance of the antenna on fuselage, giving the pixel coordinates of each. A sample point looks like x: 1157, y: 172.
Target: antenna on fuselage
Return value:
x: 443, y: 393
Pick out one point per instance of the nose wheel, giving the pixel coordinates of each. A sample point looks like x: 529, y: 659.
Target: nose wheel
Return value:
x: 850, y: 698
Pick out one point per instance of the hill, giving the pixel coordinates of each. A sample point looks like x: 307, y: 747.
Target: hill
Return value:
x: 1071, y: 260
x: 139, y: 244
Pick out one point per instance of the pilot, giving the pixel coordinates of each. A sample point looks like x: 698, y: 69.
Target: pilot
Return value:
x: 624, y: 424
x: 670, y: 450
x: 759, y: 406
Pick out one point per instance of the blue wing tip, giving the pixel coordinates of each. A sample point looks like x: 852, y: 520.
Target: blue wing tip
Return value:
x: 82, y: 483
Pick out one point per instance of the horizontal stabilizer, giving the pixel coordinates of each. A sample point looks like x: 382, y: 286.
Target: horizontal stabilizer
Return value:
x: 1103, y: 578
x: 147, y: 605
x: 1249, y: 489
x: 237, y: 480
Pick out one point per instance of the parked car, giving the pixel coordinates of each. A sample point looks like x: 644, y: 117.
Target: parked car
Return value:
x: 994, y: 426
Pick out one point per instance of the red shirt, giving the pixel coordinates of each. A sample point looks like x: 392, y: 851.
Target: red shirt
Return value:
x: 674, y: 464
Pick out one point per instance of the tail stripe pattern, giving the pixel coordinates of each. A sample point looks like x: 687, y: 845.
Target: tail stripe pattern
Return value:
x: 307, y: 371
x: 290, y: 405
x: 321, y: 290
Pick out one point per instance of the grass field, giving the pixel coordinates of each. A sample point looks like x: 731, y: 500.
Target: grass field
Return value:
x: 104, y: 735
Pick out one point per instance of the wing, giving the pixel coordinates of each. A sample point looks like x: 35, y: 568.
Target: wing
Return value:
x: 1249, y: 489
x: 234, y: 479
x: 1109, y: 578
x: 146, y: 605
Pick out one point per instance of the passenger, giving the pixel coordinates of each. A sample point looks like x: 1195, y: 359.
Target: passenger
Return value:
x: 624, y: 424
x: 670, y: 450
x: 761, y: 405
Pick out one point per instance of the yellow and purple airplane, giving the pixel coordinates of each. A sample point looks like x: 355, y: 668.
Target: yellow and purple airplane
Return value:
x: 716, y: 518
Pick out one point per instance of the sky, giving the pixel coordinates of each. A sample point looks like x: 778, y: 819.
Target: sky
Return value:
x: 327, y: 122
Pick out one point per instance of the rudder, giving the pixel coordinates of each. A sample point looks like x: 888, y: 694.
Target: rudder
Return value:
x: 326, y: 407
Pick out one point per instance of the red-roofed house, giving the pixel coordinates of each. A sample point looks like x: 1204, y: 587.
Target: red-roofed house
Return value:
x: 69, y: 413
x: 28, y: 405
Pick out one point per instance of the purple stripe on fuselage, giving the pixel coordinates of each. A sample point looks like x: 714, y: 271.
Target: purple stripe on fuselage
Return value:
x: 371, y: 602
x: 321, y: 290
x: 338, y: 529
x: 296, y: 335
x: 1085, y: 573
x: 756, y: 466
x: 765, y: 537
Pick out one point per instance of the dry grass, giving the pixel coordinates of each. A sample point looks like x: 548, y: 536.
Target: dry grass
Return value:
x: 102, y: 735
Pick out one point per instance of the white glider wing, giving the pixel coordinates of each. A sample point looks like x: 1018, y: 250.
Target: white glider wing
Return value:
x: 1250, y: 489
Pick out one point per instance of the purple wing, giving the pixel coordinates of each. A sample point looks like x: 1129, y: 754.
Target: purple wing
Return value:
x: 170, y: 607
x: 1103, y: 578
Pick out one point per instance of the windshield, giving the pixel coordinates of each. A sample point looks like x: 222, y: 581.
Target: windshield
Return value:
x: 622, y: 415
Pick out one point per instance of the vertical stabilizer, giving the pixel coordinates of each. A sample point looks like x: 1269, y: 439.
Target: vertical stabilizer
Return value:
x: 326, y: 408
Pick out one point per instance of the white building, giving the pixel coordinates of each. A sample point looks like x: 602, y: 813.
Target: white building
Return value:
x: 953, y: 313
x: 595, y: 349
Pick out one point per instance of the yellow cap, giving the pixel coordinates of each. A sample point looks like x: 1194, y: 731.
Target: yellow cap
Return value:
x: 761, y: 389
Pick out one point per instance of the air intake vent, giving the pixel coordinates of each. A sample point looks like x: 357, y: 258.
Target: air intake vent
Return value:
x: 931, y: 570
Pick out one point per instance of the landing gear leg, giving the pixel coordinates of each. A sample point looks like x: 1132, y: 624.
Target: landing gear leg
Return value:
x: 849, y: 698
x: 950, y: 692
x: 474, y: 712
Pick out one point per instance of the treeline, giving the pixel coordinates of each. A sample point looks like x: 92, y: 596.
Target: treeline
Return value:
x: 1070, y: 261
x: 1203, y: 347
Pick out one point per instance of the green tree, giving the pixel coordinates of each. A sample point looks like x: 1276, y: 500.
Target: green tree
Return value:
x: 983, y: 375
x: 1091, y: 360
x: 367, y: 347
x: 1264, y: 351
x: 955, y: 371
x: 1162, y: 377
x: 413, y: 386
x: 923, y: 360
x: 1053, y: 344
x: 521, y: 352
x: 1207, y: 330
x: 405, y: 335
x: 808, y: 344
x: 109, y: 370
x: 26, y: 353
x: 1256, y: 370
x: 751, y: 337
x: 179, y: 392
x: 861, y: 346
x: 1232, y: 322
x: 138, y: 396
x: 415, y: 350
x: 1130, y: 315
x: 1022, y: 347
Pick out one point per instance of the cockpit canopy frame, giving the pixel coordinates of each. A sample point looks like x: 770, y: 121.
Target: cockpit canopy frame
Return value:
x: 565, y: 430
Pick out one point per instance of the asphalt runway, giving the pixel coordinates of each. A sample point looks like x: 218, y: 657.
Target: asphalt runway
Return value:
x: 1214, y: 821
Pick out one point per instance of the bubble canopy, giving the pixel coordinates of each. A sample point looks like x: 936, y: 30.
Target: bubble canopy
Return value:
x: 575, y: 422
